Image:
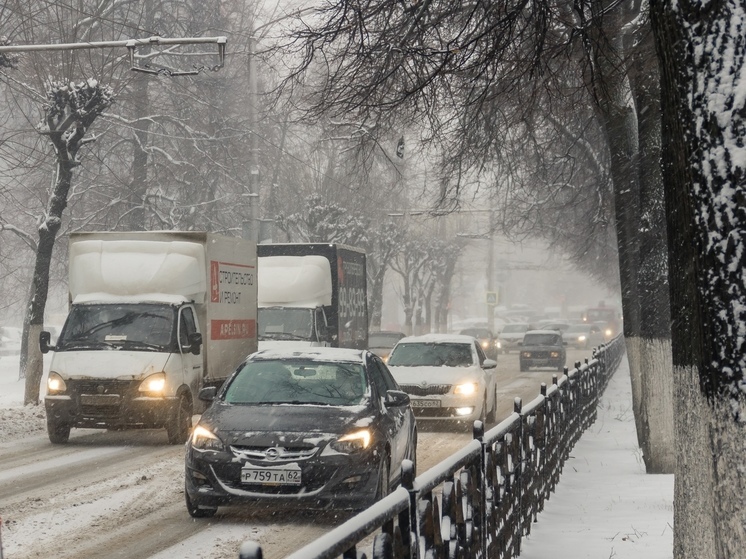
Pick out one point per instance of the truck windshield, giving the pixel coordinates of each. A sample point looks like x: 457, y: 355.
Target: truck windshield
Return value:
x: 139, y: 327
x: 285, y: 324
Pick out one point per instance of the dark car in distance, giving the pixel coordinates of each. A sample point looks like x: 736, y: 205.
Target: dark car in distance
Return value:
x: 487, y: 340
x: 381, y: 343
x: 321, y: 427
x: 542, y: 348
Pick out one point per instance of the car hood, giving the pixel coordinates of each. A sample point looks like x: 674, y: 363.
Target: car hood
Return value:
x: 283, y: 424
x: 436, y: 375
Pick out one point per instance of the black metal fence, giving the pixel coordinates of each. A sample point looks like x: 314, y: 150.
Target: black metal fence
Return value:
x: 481, y: 501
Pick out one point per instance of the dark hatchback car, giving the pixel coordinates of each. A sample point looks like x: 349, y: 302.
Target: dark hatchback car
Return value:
x: 323, y: 427
x: 543, y: 348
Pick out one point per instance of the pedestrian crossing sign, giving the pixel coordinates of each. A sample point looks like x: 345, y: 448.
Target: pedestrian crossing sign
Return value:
x: 492, y: 297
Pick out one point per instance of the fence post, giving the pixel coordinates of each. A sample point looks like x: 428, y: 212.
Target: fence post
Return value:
x: 408, y: 524
x: 478, y: 433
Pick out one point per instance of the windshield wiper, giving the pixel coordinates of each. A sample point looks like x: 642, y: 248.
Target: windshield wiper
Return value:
x: 138, y: 343
x: 281, y: 336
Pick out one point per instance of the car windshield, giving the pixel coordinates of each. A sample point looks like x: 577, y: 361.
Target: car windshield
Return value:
x: 422, y: 354
x: 298, y: 381
x: 514, y: 328
x: 380, y: 339
x: 541, y: 339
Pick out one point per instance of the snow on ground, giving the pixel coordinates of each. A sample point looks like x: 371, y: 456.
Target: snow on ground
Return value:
x: 604, y: 506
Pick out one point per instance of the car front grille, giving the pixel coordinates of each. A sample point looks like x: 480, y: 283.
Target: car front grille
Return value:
x: 276, y: 454
x: 428, y: 390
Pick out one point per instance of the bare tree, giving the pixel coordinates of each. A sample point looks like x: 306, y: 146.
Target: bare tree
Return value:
x: 70, y: 111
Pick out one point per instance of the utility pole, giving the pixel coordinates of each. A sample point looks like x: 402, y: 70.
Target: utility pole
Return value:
x: 251, y: 222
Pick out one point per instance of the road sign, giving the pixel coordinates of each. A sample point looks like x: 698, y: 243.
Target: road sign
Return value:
x: 492, y: 298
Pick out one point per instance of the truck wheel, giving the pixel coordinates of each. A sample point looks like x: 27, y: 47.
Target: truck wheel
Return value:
x: 179, y: 426
x: 59, y: 433
x: 199, y: 512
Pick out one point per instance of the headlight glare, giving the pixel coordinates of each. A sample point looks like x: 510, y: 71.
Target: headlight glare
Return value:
x: 55, y: 383
x: 154, y: 383
x: 465, y: 389
x: 205, y: 440
x: 352, y: 442
x: 581, y: 338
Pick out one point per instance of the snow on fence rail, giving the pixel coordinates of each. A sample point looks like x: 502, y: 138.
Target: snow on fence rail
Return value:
x: 482, y: 500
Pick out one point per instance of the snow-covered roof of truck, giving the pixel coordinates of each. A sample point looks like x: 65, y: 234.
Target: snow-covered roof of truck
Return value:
x: 297, y: 281
x: 130, y: 268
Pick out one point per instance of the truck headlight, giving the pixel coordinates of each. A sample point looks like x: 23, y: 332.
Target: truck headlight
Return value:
x: 352, y: 442
x: 205, y: 440
x: 465, y: 389
x: 153, y: 384
x: 55, y: 384
x: 554, y: 354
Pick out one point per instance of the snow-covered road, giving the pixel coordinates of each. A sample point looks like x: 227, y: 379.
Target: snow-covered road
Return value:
x: 120, y: 494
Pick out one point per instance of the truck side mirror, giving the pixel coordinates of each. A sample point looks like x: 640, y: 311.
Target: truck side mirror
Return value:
x: 195, y: 342
x: 44, y: 339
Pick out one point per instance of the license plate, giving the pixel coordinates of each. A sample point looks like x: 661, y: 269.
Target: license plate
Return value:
x: 270, y: 476
x: 425, y: 403
x: 99, y: 399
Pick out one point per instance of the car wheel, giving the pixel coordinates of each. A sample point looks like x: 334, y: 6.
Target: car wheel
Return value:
x: 179, y: 426
x: 384, y: 487
x: 59, y: 433
x: 196, y: 511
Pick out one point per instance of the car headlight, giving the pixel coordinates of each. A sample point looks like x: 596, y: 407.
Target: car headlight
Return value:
x: 153, y: 384
x: 465, y: 389
x: 55, y: 384
x: 581, y: 338
x: 205, y: 440
x: 352, y: 442
x: 608, y: 332
x: 485, y: 344
x: 499, y: 344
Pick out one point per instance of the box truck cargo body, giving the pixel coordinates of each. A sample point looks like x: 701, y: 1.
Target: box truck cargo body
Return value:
x: 154, y: 317
x: 312, y: 294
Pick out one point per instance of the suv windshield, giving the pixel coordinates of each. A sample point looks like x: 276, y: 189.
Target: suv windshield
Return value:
x: 542, y: 339
x: 421, y: 354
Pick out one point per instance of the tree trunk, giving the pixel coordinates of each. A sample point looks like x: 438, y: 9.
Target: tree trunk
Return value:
x: 702, y: 50
x: 32, y: 364
x: 655, y: 401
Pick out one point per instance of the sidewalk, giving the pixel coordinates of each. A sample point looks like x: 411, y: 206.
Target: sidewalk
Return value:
x: 605, y: 506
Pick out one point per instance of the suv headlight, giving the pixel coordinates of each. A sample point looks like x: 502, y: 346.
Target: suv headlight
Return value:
x: 55, y: 384
x: 205, y: 440
x: 352, y: 442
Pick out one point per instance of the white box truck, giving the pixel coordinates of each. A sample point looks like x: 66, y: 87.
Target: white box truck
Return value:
x: 312, y: 294
x: 154, y: 317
